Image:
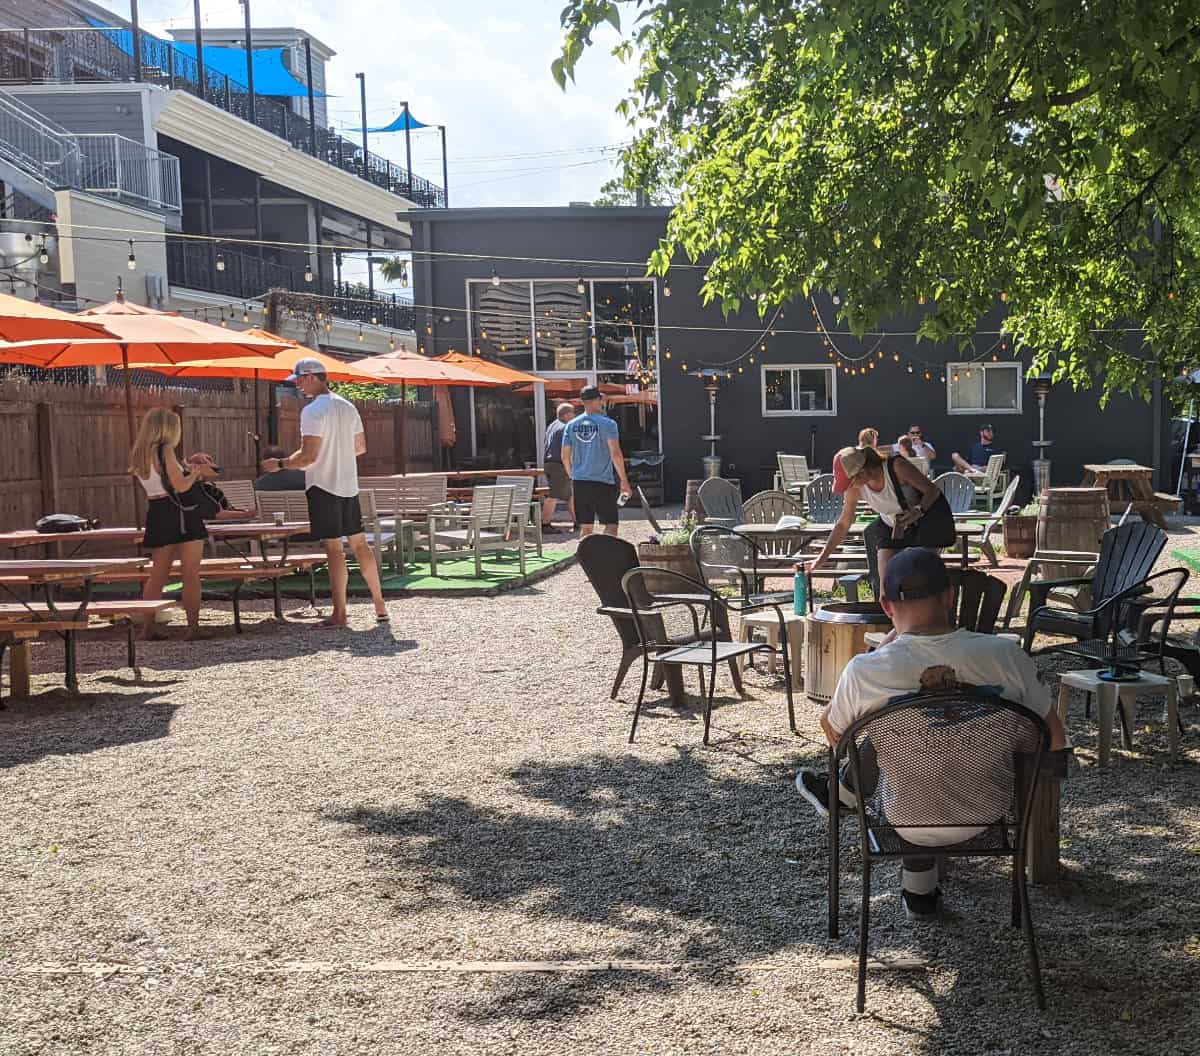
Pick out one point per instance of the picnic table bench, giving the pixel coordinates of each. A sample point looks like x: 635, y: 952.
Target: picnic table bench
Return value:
x: 1130, y: 483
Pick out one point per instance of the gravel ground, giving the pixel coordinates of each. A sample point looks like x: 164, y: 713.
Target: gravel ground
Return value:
x: 305, y: 841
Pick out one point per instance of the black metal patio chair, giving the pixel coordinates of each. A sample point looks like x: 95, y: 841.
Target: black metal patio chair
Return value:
x: 654, y: 593
x: 732, y: 564
x: 605, y: 559
x: 988, y: 754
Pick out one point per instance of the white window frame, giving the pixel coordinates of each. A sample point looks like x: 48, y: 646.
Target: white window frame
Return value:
x: 762, y: 386
x: 961, y: 367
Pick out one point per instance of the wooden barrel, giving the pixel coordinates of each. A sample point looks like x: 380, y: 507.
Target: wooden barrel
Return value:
x: 676, y: 558
x: 835, y: 635
x: 1020, y: 535
x: 1071, y: 519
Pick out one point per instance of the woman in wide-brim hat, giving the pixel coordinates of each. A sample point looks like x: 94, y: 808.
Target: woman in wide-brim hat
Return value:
x: 912, y: 510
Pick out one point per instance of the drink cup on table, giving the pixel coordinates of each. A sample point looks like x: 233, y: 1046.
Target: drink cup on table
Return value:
x: 278, y: 518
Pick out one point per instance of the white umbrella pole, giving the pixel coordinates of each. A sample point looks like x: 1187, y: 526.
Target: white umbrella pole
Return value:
x: 1187, y: 436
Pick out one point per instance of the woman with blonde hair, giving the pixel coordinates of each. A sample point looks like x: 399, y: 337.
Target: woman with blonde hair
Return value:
x: 868, y: 437
x: 175, y: 529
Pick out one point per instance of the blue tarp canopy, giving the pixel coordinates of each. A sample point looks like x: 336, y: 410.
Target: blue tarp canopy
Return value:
x: 271, y: 77
x: 398, y: 124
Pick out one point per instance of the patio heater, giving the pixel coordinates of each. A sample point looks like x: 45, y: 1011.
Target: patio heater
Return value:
x: 712, y: 379
x: 1041, y: 464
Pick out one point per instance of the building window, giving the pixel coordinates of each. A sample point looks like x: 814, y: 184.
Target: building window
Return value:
x: 500, y: 318
x: 794, y: 389
x: 972, y: 388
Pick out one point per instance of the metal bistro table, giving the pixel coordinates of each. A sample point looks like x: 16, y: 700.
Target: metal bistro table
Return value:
x: 808, y: 533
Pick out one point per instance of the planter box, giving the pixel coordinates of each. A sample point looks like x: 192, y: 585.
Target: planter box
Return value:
x: 1020, y: 535
x: 675, y: 558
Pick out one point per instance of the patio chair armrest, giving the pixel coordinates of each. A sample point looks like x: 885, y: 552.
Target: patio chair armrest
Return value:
x: 614, y: 610
x: 1039, y: 589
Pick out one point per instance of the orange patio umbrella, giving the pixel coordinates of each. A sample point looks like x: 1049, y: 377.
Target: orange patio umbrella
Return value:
x: 27, y: 321
x: 405, y: 368
x: 497, y: 371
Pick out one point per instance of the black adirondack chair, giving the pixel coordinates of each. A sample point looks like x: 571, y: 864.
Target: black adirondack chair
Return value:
x: 1127, y: 553
x: 978, y: 599
x: 604, y: 560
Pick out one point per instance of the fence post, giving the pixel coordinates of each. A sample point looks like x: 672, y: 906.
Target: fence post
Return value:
x: 28, y: 56
x: 47, y: 446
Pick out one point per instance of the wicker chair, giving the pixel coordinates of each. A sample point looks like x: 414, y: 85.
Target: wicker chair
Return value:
x: 996, y: 780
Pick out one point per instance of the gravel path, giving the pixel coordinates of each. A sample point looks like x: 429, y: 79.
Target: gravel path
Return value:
x: 305, y: 841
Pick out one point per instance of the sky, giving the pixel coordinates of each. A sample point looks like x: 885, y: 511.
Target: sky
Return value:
x: 481, y: 69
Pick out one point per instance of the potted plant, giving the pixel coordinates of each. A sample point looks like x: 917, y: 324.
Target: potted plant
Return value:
x: 1020, y: 531
x: 672, y: 551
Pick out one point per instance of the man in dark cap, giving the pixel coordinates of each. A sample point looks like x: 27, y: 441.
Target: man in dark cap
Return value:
x: 978, y: 453
x: 591, y: 455
x: 927, y: 653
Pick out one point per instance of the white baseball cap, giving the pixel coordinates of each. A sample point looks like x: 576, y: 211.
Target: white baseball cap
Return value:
x: 306, y: 366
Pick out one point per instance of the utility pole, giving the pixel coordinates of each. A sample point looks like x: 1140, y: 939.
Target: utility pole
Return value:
x: 137, y: 40
x: 445, y: 169
x: 250, y: 64
x: 362, y: 95
x: 199, y: 50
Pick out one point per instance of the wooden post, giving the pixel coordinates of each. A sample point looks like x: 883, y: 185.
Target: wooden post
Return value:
x: 435, y: 454
x: 1042, y: 852
x: 19, y: 664
x: 47, y: 444
x: 272, y: 324
x: 180, y: 447
x: 402, y: 436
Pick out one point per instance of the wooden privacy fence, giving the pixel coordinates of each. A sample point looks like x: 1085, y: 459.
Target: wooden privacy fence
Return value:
x: 65, y: 448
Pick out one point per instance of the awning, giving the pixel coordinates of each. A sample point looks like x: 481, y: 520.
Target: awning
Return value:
x: 398, y: 123
x: 271, y: 76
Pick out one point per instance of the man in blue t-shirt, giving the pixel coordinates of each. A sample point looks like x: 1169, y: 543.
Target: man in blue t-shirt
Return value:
x: 979, y: 453
x: 591, y: 455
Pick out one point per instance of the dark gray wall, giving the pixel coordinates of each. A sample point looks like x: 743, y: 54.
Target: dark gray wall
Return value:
x: 888, y: 399
x: 97, y: 111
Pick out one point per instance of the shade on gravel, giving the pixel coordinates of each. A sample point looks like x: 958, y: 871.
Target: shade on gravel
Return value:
x: 432, y: 837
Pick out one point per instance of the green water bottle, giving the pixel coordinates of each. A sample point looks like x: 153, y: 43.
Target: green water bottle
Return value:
x: 800, y: 591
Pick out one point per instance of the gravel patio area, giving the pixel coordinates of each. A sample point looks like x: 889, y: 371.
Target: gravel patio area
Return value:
x: 432, y: 837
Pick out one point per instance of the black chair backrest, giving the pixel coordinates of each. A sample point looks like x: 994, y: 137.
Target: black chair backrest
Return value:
x: 978, y: 599
x: 605, y: 559
x: 1127, y: 554
x: 725, y: 558
x: 645, y: 587
x: 947, y: 760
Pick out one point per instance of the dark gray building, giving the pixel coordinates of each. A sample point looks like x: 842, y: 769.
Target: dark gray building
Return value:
x: 561, y: 292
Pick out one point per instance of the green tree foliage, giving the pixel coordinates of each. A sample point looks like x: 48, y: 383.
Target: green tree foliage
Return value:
x: 353, y: 390
x: 614, y: 192
x: 931, y: 158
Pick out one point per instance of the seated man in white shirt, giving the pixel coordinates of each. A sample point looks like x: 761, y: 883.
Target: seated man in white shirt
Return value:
x: 922, y: 448
x: 917, y: 595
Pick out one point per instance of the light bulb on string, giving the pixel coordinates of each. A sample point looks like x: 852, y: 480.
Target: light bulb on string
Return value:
x: 360, y: 333
x: 580, y: 288
x: 374, y: 320
x: 751, y: 361
x: 928, y: 376
x: 956, y: 375
x: 896, y: 356
x: 666, y: 289
x: 942, y: 378
x: 131, y: 263
x: 667, y: 354
x: 683, y: 366
x: 220, y: 265
x: 44, y: 255
x: 245, y: 313
x: 391, y: 343
x: 224, y: 321
x: 308, y: 272
x: 495, y: 278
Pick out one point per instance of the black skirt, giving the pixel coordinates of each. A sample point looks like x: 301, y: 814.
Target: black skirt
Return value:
x: 167, y: 524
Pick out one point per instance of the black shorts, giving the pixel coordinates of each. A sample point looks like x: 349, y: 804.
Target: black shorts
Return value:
x: 560, y: 483
x: 933, y: 531
x: 332, y: 516
x: 167, y: 524
x: 595, y: 502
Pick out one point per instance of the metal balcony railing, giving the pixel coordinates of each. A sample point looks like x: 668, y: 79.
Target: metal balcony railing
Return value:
x: 75, y: 55
x: 202, y: 266
x: 106, y: 164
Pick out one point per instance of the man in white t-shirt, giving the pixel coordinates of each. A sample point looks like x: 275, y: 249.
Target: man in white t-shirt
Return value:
x: 926, y: 653
x: 922, y: 448
x: 331, y: 439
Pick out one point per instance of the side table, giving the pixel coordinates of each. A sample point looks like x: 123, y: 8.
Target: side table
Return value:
x: 1123, y: 694
x: 768, y: 622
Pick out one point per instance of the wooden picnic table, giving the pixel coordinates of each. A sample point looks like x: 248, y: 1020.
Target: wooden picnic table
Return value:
x: 221, y: 531
x: 807, y: 533
x: 261, y: 532
x: 1130, y: 484
x: 47, y: 574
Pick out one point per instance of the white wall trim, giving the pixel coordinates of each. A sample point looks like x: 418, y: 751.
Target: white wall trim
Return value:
x: 828, y: 368
x: 1019, y: 368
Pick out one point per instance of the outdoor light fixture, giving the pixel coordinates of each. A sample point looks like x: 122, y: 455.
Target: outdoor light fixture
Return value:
x: 360, y: 333
x: 374, y: 320
x: 131, y: 264
x: 580, y: 287
x: 666, y: 289
x: 1041, y: 464
x: 220, y: 262
x: 712, y: 379
x: 44, y: 255
x: 245, y: 313
x: 308, y: 271
x: 495, y: 278
x: 391, y: 343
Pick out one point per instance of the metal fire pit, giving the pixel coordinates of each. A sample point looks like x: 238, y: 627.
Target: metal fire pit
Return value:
x: 836, y: 632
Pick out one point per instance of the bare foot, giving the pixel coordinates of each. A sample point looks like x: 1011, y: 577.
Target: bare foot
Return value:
x: 334, y: 621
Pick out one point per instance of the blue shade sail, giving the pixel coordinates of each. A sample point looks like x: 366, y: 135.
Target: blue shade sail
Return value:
x: 398, y: 123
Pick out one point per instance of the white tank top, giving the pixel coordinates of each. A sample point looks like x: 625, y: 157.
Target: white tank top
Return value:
x: 884, y: 502
x: 153, y: 485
